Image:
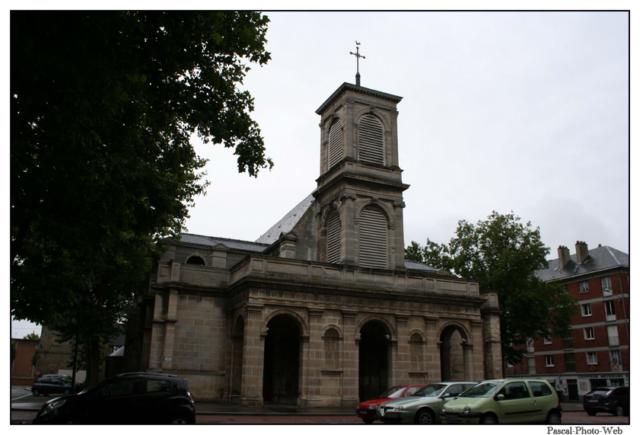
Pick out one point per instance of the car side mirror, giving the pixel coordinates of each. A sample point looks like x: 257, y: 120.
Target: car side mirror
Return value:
x: 500, y: 397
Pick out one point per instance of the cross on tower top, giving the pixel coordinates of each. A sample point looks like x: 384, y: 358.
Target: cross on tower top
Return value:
x: 358, y: 56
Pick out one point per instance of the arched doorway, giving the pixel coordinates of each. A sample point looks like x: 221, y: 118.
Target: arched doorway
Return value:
x: 237, y: 345
x: 452, y: 354
x: 281, y: 361
x: 374, y: 359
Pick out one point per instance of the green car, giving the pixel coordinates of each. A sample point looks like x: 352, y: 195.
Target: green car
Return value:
x: 507, y: 401
x: 424, y: 406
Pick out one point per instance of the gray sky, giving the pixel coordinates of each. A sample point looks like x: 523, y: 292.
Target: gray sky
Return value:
x: 522, y: 112
x: 501, y: 111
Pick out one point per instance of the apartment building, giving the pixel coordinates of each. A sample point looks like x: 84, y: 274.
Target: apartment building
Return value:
x: 596, y: 353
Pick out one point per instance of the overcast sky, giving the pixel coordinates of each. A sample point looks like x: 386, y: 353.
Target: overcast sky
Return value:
x: 524, y: 112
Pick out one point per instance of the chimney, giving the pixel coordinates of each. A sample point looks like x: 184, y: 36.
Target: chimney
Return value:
x: 563, y: 256
x: 582, y: 252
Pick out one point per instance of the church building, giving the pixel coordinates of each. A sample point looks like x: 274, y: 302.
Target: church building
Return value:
x: 323, y: 309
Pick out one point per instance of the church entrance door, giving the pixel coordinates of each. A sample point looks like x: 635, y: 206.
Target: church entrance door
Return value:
x: 281, y: 361
x: 374, y: 360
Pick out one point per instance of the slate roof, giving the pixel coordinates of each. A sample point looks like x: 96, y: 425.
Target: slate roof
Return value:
x: 348, y: 86
x: 414, y: 265
x: 241, y: 245
x: 600, y: 259
x: 287, y: 222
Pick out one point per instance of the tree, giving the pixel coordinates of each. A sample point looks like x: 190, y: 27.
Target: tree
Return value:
x: 32, y: 336
x: 502, y: 254
x: 103, y: 106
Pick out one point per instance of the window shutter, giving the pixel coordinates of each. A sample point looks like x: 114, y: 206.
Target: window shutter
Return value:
x: 371, y: 138
x: 373, y: 238
x: 336, y: 147
x: 334, y: 237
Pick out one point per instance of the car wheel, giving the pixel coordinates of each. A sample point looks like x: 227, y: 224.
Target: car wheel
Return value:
x: 619, y: 411
x: 489, y: 419
x: 182, y: 418
x: 424, y: 416
x: 554, y: 418
x: 591, y: 413
x: 367, y: 420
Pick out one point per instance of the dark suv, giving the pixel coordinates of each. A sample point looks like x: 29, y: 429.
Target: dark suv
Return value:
x: 51, y: 384
x: 129, y: 398
x: 607, y: 399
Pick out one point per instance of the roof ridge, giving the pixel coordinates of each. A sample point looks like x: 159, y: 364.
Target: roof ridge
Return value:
x: 226, y: 238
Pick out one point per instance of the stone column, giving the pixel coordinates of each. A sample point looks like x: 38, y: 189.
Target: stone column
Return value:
x: 315, y: 358
x: 477, y: 369
x: 432, y: 357
x: 397, y: 257
x: 350, y: 393
x: 169, y: 333
x: 402, y: 361
x: 253, y: 357
x: 490, y: 312
x: 349, y: 218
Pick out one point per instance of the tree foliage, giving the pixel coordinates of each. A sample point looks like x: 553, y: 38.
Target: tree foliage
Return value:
x: 103, y: 106
x: 503, y: 254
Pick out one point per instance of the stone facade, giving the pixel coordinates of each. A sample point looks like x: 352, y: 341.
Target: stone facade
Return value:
x: 322, y: 310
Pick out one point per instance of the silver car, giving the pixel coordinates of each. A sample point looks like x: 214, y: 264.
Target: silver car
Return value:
x: 424, y: 406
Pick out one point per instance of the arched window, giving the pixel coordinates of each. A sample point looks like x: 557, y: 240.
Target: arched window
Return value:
x: 370, y: 139
x: 331, y: 348
x: 373, y: 237
x: 416, y: 350
x: 334, y: 237
x: 336, y: 145
x: 196, y: 260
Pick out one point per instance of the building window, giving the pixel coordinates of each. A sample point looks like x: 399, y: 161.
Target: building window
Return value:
x: 586, y: 310
x: 589, y: 334
x: 416, y: 349
x: 548, y: 361
x: 336, y: 146
x: 196, y: 260
x: 371, y: 139
x: 334, y: 237
x: 373, y: 237
x: 592, y: 358
x: 616, y: 360
x: 546, y: 340
x: 530, y: 346
x: 584, y: 286
x: 607, y: 290
x: 610, y: 310
x: 612, y: 333
x: 332, y: 348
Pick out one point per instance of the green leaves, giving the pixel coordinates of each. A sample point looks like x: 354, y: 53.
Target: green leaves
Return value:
x: 503, y: 254
x: 103, y: 107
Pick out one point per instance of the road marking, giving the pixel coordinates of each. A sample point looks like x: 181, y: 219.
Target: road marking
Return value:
x: 21, y: 397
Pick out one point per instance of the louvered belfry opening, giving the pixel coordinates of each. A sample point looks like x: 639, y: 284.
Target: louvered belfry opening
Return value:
x: 334, y: 237
x: 336, y: 143
x: 373, y: 238
x: 371, y: 139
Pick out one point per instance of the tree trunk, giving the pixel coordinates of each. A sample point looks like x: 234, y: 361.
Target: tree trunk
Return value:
x: 94, y: 360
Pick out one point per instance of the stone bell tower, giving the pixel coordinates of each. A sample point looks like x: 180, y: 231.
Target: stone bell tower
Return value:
x: 360, y: 187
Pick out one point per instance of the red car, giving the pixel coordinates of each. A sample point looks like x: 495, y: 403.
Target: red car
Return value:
x: 367, y: 410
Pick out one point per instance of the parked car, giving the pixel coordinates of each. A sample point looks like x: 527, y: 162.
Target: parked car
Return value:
x: 367, y: 410
x: 507, y: 401
x: 129, y: 398
x: 51, y: 384
x: 423, y: 406
x: 607, y: 399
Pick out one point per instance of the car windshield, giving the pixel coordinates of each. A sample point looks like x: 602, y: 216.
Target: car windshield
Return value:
x: 481, y: 390
x: 393, y: 392
x: 430, y: 390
